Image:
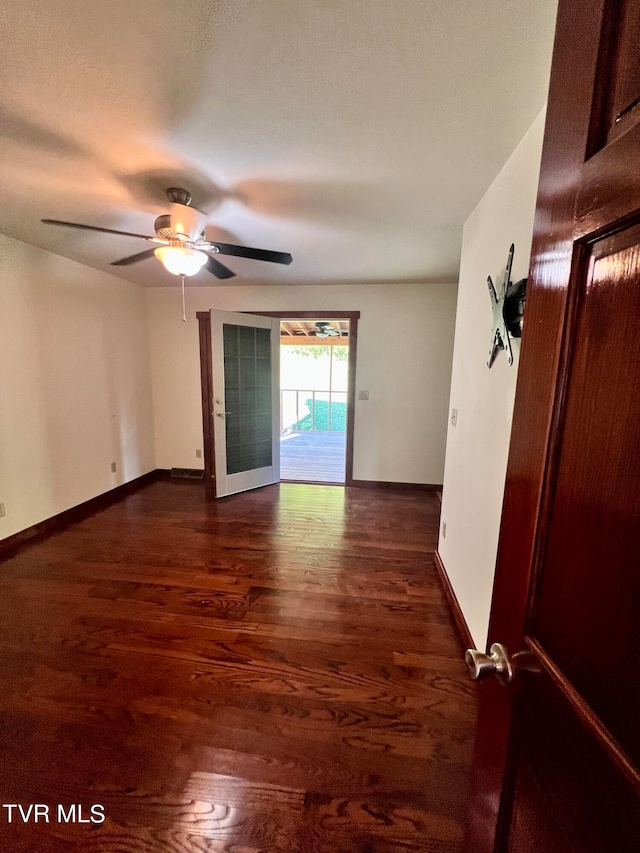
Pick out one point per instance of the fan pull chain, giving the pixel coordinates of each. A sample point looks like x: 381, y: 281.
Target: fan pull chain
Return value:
x: 184, y: 312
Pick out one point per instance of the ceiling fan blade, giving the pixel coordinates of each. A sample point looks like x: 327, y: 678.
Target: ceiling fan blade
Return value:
x: 133, y: 259
x: 255, y: 254
x: 218, y: 269
x: 97, y: 228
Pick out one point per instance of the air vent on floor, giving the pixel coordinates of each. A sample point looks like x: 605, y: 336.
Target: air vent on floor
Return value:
x: 188, y: 473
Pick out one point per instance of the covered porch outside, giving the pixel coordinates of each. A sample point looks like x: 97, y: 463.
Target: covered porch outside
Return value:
x: 314, y: 379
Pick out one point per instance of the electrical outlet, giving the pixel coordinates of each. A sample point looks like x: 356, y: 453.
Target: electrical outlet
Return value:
x: 2, y: 511
x: 444, y: 529
x: 363, y: 395
x: 198, y: 453
x: 114, y: 467
x: 454, y: 417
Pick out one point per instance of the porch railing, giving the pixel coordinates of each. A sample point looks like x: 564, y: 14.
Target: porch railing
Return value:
x: 328, y: 397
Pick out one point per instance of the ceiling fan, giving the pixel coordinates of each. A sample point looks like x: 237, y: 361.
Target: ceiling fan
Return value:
x: 183, y: 248
x: 324, y: 329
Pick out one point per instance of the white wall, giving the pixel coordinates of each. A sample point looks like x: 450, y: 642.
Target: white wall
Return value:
x: 75, y: 389
x: 477, y: 448
x: 405, y: 343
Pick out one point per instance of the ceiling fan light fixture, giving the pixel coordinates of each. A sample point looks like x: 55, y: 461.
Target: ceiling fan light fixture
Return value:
x: 181, y: 261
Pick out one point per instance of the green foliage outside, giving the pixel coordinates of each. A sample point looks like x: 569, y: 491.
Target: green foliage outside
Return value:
x: 338, y: 417
x: 307, y: 368
x: 339, y: 353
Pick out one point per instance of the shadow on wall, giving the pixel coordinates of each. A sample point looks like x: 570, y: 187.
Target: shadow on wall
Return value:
x: 92, y: 398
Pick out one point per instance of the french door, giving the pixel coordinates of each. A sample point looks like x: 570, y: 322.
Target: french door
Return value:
x: 246, y: 401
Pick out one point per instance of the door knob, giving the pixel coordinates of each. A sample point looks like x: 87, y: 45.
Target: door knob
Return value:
x: 497, y: 663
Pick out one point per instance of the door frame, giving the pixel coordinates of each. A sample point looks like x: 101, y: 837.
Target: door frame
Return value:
x: 206, y: 380
x: 206, y: 393
x: 352, y: 317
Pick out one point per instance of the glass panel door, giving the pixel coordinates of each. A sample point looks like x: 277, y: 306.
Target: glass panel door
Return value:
x: 246, y: 401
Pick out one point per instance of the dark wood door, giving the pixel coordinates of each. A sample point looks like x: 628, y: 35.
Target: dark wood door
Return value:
x: 557, y: 765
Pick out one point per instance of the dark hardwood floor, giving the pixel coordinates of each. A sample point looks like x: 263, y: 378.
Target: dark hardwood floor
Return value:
x: 276, y: 671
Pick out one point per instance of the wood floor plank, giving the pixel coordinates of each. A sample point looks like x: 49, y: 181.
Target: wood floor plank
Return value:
x: 275, y: 671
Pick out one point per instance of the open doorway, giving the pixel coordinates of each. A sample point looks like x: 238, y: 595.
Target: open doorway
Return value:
x: 213, y: 407
x: 314, y: 383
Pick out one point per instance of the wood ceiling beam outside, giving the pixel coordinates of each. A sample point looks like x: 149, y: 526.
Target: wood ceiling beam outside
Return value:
x: 287, y: 327
x: 308, y: 327
x: 312, y: 341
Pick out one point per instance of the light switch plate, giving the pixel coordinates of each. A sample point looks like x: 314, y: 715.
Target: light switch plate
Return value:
x: 363, y: 395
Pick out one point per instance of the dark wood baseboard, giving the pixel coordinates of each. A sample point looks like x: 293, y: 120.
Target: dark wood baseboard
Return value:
x: 383, y: 484
x: 461, y: 622
x: 76, y: 513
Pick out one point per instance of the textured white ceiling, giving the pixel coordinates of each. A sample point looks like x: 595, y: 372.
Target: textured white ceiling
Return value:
x: 356, y: 134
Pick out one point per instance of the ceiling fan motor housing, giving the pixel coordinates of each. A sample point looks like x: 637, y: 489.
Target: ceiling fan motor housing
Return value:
x: 187, y: 222
x: 177, y: 195
x: 162, y: 226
